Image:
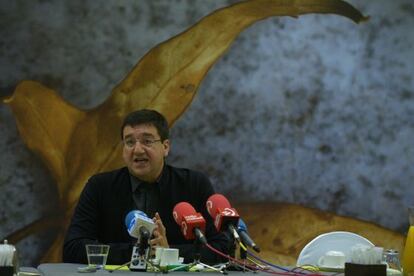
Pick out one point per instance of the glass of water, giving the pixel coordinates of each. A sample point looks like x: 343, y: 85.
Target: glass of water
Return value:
x: 392, y: 258
x: 97, y: 255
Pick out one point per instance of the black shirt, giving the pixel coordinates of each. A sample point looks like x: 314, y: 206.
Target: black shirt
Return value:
x: 107, y: 199
x: 146, y: 196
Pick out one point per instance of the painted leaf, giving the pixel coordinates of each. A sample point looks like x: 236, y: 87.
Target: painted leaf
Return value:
x: 46, y: 124
x: 76, y: 144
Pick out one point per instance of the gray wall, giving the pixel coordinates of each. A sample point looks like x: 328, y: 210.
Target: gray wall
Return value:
x: 315, y: 111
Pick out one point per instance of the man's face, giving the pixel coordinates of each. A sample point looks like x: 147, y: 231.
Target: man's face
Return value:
x: 144, y: 152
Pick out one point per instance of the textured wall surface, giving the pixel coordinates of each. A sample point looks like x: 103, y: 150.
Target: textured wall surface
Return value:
x: 316, y: 111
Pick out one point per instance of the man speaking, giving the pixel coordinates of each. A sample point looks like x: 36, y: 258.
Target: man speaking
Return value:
x: 148, y: 184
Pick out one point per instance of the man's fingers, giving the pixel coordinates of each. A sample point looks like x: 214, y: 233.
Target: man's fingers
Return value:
x: 160, y: 226
x: 160, y: 233
x: 155, y: 241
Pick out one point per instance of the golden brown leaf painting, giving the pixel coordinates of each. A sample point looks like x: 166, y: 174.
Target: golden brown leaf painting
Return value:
x: 75, y: 144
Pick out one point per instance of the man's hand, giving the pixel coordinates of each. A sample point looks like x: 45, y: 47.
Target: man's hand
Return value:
x: 160, y: 234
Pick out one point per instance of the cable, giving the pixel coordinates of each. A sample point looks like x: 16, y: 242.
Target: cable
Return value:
x: 254, y: 267
x: 242, y: 246
x: 254, y: 256
x: 279, y: 267
x: 263, y: 261
x: 254, y: 261
x: 270, y: 264
x: 273, y: 265
x: 236, y: 261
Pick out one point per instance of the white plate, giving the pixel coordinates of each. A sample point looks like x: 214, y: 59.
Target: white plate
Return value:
x: 337, y: 241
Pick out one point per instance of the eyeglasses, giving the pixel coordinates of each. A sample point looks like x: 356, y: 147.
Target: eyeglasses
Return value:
x: 146, y: 142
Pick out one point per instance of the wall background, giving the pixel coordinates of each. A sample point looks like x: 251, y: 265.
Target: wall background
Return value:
x: 316, y: 111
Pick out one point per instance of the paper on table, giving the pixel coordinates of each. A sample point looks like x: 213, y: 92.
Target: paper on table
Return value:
x: 112, y: 267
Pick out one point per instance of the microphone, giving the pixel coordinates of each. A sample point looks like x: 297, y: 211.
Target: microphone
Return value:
x: 192, y: 223
x: 245, y: 238
x: 224, y: 216
x: 139, y: 226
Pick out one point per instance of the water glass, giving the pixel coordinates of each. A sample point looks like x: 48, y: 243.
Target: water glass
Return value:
x: 392, y: 258
x: 97, y: 255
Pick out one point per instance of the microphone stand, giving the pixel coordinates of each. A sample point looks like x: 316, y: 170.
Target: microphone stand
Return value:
x: 197, y: 256
x: 125, y: 264
x: 140, y: 253
x: 243, y: 258
x: 234, y: 239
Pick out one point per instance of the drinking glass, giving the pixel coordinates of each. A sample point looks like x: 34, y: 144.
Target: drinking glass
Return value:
x: 97, y: 255
x: 392, y: 258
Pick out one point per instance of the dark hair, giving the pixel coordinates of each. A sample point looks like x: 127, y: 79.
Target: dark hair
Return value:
x: 147, y: 117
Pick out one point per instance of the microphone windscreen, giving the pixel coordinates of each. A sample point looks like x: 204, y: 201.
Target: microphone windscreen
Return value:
x: 241, y: 226
x: 192, y: 224
x: 136, y: 220
x: 216, y: 202
x: 182, y: 209
x: 131, y: 215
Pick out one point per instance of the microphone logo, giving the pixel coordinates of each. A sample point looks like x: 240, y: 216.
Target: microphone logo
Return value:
x: 217, y: 221
x: 209, y: 206
x: 229, y: 212
x: 184, y: 228
x: 131, y: 224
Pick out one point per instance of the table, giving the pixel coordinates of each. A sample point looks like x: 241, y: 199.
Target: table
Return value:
x: 66, y: 269
x: 28, y: 271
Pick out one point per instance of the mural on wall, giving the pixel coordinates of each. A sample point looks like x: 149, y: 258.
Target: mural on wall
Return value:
x: 81, y: 143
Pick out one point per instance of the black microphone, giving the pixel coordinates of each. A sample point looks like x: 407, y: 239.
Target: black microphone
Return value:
x: 143, y: 241
x: 242, y: 230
